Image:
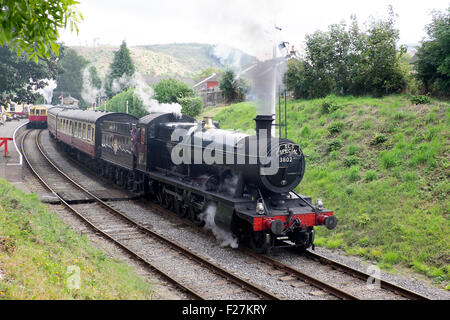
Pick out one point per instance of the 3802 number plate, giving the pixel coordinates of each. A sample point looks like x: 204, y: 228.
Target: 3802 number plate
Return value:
x: 285, y: 159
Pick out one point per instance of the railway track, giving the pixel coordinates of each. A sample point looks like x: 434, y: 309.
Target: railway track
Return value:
x: 175, y: 263
x: 294, y: 273
x: 276, y: 267
x: 363, y: 276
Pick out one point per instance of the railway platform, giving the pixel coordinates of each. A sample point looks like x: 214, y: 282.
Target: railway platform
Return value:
x: 11, y: 164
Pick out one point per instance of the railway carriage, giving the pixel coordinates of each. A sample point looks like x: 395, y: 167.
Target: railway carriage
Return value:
x: 102, y: 139
x: 37, y: 116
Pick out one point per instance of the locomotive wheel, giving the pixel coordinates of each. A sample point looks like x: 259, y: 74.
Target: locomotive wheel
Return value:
x: 159, y: 198
x: 165, y: 201
x: 258, y: 242
x: 181, y: 210
x: 194, y: 216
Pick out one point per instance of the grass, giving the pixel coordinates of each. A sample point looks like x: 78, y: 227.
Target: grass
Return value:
x: 41, y: 258
x: 382, y: 165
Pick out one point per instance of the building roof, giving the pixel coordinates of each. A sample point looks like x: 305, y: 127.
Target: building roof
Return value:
x: 213, y: 77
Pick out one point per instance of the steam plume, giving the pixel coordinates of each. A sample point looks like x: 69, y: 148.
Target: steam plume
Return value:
x: 47, y: 91
x: 224, y: 237
x: 145, y: 94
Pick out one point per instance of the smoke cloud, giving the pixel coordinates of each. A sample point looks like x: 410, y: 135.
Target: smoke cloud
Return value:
x: 145, y: 94
x: 47, y: 91
x: 260, y: 36
x: 224, y: 237
x: 89, y: 92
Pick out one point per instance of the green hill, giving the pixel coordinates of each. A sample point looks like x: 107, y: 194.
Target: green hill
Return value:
x: 181, y: 60
x: 147, y: 62
x: 382, y: 165
x: 193, y: 55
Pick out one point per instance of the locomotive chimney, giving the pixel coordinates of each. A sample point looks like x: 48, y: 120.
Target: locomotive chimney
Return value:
x: 264, y: 122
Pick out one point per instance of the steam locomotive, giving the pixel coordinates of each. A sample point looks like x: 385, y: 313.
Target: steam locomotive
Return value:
x: 188, y: 166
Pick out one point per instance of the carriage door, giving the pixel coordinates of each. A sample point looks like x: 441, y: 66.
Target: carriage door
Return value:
x: 141, y: 149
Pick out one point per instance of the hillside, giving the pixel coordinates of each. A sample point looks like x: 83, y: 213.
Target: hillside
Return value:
x: 41, y: 258
x: 182, y: 61
x: 382, y: 166
x: 147, y: 62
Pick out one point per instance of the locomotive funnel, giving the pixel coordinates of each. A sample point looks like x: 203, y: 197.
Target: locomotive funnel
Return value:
x: 264, y: 122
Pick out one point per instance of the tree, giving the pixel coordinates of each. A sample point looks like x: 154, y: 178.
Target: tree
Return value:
x: 122, y: 66
x: 170, y: 90
x: 433, y: 63
x: 32, y: 26
x: 191, y: 106
x: 94, y: 77
x: 383, y: 74
x: 348, y: 61
x: 119, y: 104
x: 70, y: 78
x: 20, y: 78
x: 234, y: 90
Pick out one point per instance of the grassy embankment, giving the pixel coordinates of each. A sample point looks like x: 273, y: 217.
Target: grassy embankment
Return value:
x: 382, y: 165
x: 39, y: 257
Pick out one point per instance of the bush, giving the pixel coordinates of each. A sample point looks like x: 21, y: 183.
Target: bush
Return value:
x: 306, y: 131
x: 352, y: 150
x: 378, y: 139
x: 351, y: 161
x: 335, y: 127
x: 192, y: 106
x: 334, y: 145
x: 353, y: 174
x: 389, y: 159
x: 170, y: 90
x: 420, y: 99
x: 329, y: 106
x: 118, y: 103
x: 371, y: 175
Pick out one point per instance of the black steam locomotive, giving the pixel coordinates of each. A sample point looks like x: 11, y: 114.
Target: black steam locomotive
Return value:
x: 190, y: 166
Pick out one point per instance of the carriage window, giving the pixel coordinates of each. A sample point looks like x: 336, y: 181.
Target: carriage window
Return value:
x: 84, y: 131
x: 79, y: 130
x: 93, y: 134
x: 89, y: 133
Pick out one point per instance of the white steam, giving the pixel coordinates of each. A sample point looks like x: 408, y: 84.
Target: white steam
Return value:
x: 47, y: 91
x: 89, y: 92
x: 224, y: 237
x: 228, y: 56
x: 259, y: 34
x: 145, y: 94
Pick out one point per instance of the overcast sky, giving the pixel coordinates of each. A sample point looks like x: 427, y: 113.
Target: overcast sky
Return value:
x: 244, y: 24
